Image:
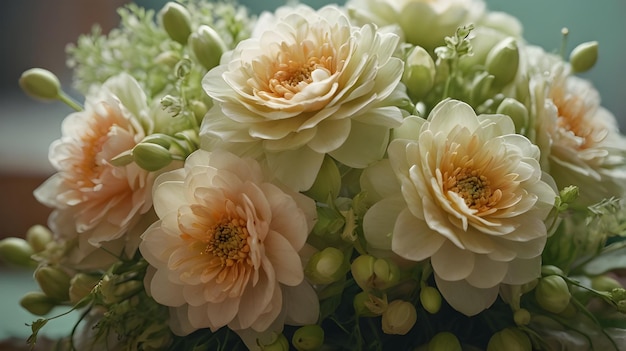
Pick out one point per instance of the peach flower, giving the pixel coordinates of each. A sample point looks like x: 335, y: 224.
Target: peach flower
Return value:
x: 225, y: 250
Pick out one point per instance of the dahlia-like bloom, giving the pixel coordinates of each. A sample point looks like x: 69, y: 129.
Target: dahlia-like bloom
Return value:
x: 581, y: 139
x: 423, y: 22
x: 93, y: 200
x: 472, y: 201
x: 311, y: 84
x: 225, y: 250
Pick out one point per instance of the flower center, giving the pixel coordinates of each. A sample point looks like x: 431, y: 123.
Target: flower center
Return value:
x: 293, y: 74
x: 571, y: 118
x: 228, y: 241
x: 473, y: 187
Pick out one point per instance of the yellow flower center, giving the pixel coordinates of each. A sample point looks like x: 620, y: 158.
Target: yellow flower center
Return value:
x: 474, y: 188
x: 228, y: 241
x: 294, y: 67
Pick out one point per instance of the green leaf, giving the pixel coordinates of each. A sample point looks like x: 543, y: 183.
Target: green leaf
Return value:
x: 610, y: 258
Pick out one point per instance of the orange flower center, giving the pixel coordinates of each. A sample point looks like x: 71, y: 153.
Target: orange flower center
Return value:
x: 87, y: 170
x: 227, y: 241
x: 294, y: 66
x: 571, y: 118
x: 473, y: 187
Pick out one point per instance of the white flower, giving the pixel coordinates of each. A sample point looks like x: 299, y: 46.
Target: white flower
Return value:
x: 473, y: 202
x: 225, y: 250
x: 424, y: 22
x: 311, y: 85
x: 92, y: 199
x: 581, y: 139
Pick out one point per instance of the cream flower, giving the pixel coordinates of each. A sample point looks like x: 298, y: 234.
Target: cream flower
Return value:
x: 424, y: 22
x: 311, y: 85
x: 92, y: 199
x: 581, y: 138
x: 225, y: 250
x: 474, y: 204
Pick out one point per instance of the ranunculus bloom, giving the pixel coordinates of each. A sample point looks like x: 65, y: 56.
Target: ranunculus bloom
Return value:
x: 473, y: 202
x: 424, y: 22
x: 92, y: 199
x: 581, y: 139
x: 308, y: 86
x: 225, y: 250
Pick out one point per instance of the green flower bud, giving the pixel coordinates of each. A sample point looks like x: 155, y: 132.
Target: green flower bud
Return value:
x: 38, y: 237
x: 399, y: 317
x: 151, y: 157
x: 430, y: 299
x: 37, y: 303
x: 167, y: 58
x: 552, y: 294
x: 605, y: 283
x: 327, y: 182
x: 280, y: 343
x: 54, y: 282
x: 517, y: 111
x: 16, y: 251
x: 584, y: 56
x: 419, y: 73
x: 618, y: 294
x: 308, y: 338
x: 503, y: 62
x: 521, y: 317
x: 326, y: 266
x: 207, y: 46
x: 444, y: 341
x: 199, y: 109
x: 569, y: 194
x: 368, y: 305
x: 81, y: 285
x: 159, y: 139
x: 123, y: 159
x: 374, y: 273
x: 547, y: 270
x: 509, y: 339
x: 176, y: 21
x: 40, y: 84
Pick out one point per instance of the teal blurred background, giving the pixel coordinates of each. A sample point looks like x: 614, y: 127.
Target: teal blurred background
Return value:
x: 33, y: 33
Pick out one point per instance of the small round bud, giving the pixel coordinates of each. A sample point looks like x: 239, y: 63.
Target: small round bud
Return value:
x: 280, y: 343
x: 38, y: 237
x: 419, y: 73
x: 207, y: 46
x: 368, y: 305
x: 503, y: 61
x: 510, y: 339
x: 552, y: 294
x: 569, y: 194
x: 54, y: 282
x: 308, y: 338
x: 584, y: 56
x: 40, y: 84
x: 375, y: 273
x: 430, y: 299
x: 521, y: 317
x: 444, y: 341
x: 81, y: 285
x: 517, y: 111
x: 151, y: 157
x: 399, y: 317
x: 37, y: 303
x: 547, y: 270
x: 176, y: 21
x: 605, y: 283
x: 16, y: 251
x: 327, y: 183
x: 167, y: 58
x: 326, y: 266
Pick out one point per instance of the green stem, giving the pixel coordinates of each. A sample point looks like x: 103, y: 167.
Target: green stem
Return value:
x: 66, y: 99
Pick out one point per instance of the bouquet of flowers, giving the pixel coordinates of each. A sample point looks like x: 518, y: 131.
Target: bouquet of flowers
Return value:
x: 407, y: 175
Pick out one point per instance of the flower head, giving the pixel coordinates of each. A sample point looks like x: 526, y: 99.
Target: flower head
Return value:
x: 225, y: 250
x: 474, y: 203
x: 581, y: 139
x: 308, y: 85
x: 91, y: 198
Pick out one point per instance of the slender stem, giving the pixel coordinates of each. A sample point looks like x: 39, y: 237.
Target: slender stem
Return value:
x: 63, y: 97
